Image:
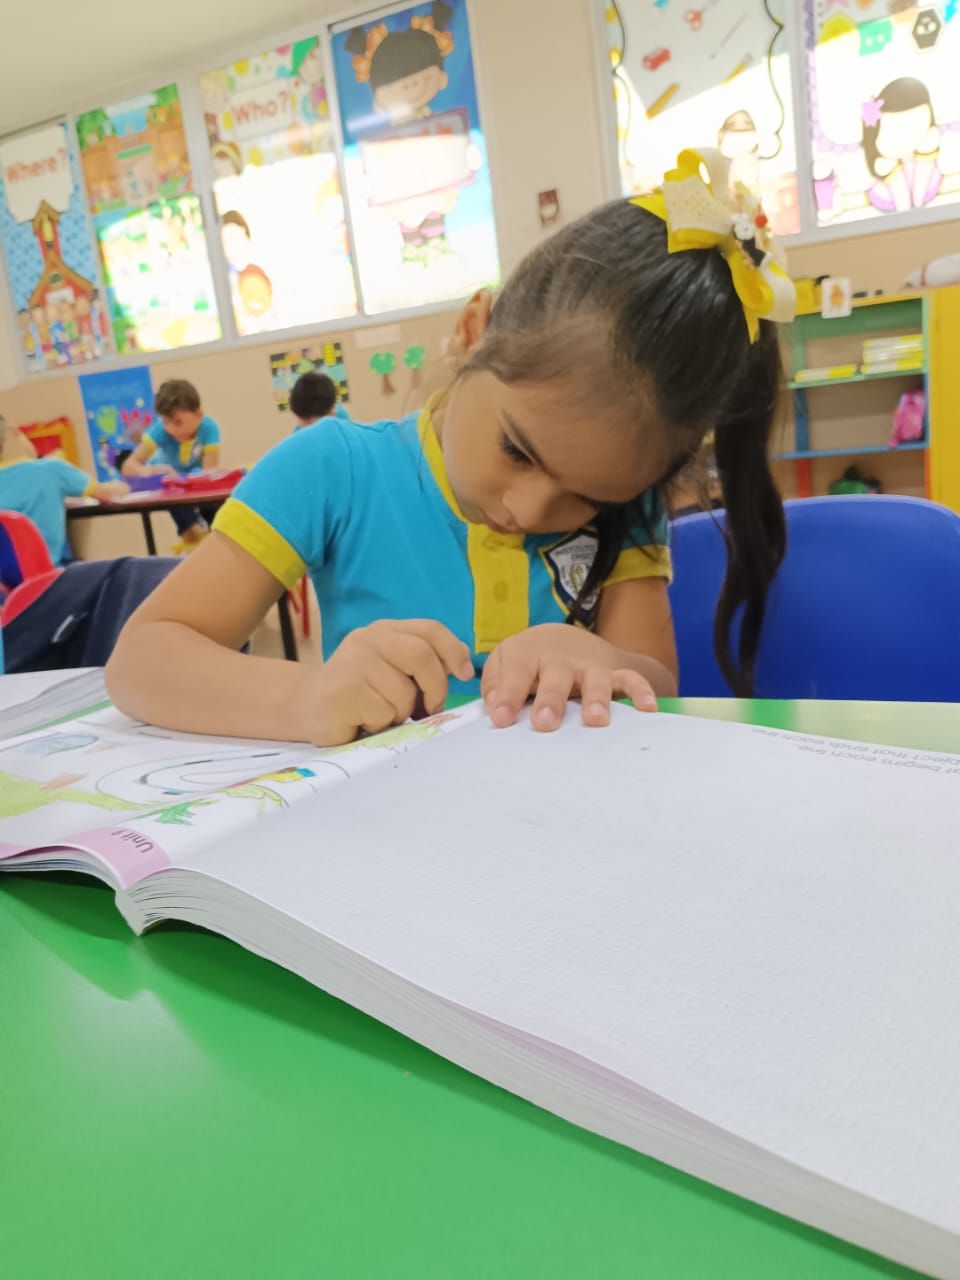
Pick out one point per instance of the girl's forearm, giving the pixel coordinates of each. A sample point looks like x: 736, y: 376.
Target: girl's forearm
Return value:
x: 168, y: 674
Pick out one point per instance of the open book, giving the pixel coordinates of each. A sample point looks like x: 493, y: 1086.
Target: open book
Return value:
x: 735, y: 949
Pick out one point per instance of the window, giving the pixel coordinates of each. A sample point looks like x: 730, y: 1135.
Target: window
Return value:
x: 414, y: 155
x: 706, y: 73
x: 51, y: 261
x: 884, y: 110
x: 148, y: 223
x: 277, y: 189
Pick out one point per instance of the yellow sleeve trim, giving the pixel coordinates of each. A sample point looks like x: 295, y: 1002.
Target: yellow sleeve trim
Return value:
x: 148, y: 446
x: 641, y: 562
x: 248, y: 529
x: 89, y: 490
x: 211, y: 448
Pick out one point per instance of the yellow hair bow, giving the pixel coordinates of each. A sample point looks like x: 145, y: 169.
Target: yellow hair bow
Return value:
x: 703, y: 215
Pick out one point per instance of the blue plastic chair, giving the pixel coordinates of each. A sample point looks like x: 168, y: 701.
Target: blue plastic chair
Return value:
x: 866, y: 604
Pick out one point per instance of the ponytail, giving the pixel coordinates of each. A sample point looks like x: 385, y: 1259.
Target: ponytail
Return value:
x: 755, y: 531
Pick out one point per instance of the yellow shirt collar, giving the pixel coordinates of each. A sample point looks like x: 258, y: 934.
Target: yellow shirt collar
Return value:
x: 433, y: 453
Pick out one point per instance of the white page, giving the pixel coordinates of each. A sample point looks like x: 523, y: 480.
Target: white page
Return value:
x: 760, y: 928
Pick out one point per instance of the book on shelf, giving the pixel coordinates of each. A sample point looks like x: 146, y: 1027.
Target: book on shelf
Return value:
x: 732, y: 948
x: 826, y: 373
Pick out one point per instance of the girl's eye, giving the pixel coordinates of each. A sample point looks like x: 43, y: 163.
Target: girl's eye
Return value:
x: 514, y: 453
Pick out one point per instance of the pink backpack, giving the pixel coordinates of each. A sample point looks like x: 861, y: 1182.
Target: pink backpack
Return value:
x: 909, y: 418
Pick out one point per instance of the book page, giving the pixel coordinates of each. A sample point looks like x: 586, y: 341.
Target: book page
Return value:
x: 760, y: 928
x: 142, y: 798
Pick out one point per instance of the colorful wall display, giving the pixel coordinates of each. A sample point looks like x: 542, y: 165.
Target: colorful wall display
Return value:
x: 148, y: 224
x: 277, y: 189
x: 117, y: 408
x: 706, y: 73
x: 50, y: 258
x: 415, y: 163
x: 287, y: 366
x: 884, y: 101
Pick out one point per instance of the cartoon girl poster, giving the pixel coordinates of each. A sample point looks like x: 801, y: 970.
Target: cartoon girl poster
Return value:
x: 415, y: 157
x: 885, y: 111
x: 901, y: 145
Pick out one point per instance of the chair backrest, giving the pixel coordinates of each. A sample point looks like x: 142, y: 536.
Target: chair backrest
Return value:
x: 865, y: 606
x: 23, y: 552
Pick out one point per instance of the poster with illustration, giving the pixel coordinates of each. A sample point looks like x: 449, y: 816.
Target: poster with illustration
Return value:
x: 884, y: 95
x: 277, y: 189
x: 50, y: 259
x: 118, y: 409
x: 415, y: 156
x: 706, y: 73
x: 287, y: 366
x: 148, y: 224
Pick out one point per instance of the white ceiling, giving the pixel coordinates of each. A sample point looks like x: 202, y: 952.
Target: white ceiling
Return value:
x: 59, y: 54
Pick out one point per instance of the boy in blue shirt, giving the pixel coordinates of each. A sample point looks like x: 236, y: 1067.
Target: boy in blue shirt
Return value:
x: 184, y: 441
x: 314, y: 397
x: 36, y: 488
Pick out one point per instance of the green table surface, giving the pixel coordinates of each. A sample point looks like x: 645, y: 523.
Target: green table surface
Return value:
x: 172, y: 1106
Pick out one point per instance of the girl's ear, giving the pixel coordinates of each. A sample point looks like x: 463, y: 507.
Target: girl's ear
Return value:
x: 470, y: 326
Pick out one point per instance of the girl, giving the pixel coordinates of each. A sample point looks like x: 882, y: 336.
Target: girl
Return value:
x: 901, y: 143
x: 526, y: 497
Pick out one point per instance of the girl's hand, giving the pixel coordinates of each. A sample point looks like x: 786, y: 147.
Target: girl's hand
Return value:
x: 557, y: 662
x: 379, y: 676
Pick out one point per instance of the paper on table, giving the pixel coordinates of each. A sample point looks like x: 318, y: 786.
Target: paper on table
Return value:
x: 759, y: 928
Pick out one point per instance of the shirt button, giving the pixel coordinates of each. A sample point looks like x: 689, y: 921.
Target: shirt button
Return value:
x: 501, y: 592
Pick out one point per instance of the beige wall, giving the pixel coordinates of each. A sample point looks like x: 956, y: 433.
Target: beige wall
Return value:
x: 880, y: 260
x: 540, y: 99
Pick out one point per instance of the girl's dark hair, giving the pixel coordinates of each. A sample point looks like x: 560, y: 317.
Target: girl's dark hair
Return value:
x: 403, y: 53
x: 899, y: 95
x: 659, y: 336
x: 313, y: 395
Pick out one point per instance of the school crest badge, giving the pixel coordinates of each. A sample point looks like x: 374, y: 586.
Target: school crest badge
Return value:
x: 569, y: 561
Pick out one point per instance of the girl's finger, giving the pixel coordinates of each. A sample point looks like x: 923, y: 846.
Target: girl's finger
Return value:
x: 596, y: 689
x: 554, y: 687
x: 419, y: 660
x: 453, y: 653
x: 394, y: 689
x: 516, y: 680
x: 490, y: 678
x: 632, y: 685
x: 377, y: 710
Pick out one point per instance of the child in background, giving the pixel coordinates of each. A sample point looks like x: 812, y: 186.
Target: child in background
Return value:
x: 528, y: 496
x: 184, y: 441
x: 37, y: 487
x: 314, y: 396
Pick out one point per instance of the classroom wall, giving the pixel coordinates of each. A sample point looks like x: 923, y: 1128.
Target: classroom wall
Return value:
x: 538, y: 79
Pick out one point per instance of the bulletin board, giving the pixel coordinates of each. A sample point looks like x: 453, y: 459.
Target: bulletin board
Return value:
x: 49, y: 253
x: 884, y: 101
x: 277, y: 188
x: 706, y: 73
x: 148, y: 223
x: 414, y: 156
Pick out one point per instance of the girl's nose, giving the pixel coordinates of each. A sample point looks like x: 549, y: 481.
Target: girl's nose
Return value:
x: 528, y: 504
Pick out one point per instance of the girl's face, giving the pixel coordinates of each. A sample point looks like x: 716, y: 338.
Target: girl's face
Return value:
x: 901, y: 133
x: 520, y: 461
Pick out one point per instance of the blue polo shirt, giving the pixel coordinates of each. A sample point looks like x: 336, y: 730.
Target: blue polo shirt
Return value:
x: 37, y: 488
x: 183, y: 455
x: 368, y: 512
